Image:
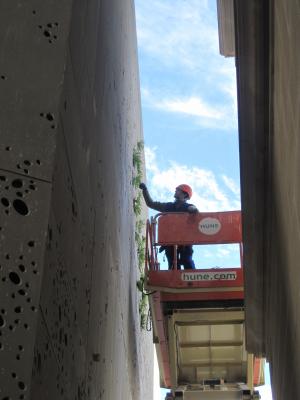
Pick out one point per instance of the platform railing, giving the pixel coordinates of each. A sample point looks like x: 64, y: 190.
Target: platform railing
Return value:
x: 176, y: 229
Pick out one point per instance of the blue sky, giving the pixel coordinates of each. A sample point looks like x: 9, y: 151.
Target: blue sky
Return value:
x: 189, y: 103
x: 189, y: 108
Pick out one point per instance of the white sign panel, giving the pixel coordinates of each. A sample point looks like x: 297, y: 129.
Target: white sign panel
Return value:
x: 209, y: 226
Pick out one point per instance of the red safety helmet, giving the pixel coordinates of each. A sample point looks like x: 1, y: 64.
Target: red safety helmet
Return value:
x: 186, y: 189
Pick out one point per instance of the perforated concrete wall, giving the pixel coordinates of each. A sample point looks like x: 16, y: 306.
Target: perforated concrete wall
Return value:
x: 33, y: 41
x: 70, y: 109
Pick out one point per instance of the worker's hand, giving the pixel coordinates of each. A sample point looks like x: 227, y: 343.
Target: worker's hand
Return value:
x: 192, y: 209
x: 142, y: 186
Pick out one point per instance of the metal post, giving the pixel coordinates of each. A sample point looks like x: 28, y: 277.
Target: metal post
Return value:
x: 175, y: 257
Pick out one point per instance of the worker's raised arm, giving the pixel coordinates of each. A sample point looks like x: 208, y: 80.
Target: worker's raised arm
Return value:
x: 155, y: 205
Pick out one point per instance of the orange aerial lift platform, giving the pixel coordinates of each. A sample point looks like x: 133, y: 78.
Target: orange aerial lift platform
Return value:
x: 198, y: 314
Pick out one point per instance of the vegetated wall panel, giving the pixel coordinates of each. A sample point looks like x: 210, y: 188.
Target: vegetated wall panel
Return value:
x: 282, y: 283
x: 24, y: 216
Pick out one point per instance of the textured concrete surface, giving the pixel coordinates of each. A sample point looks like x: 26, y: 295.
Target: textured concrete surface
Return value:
x: 253, y: 89
x: 32, y: 66
x: 76, y: 121
x: 270, y: 182
x: 282, y: 294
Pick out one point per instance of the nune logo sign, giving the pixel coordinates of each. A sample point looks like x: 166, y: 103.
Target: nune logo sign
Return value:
x: 209, y: 226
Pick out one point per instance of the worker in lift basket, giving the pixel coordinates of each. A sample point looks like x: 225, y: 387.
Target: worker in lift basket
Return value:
x: 182, y: 194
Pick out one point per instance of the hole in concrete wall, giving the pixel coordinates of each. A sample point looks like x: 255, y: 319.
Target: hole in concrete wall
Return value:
x: 46, y: 33
x: 22, y: 268
x: 17, y: 183
x: 31, y: 243
x: 22, y: 385
x: 14, y: 277
x: 3, y: 178
x: 22, y: 292
x: 2, y: 322
x: 3, y: 77
x: 74, y: 212
x: 50, y: 117
x: 8, y: 148
x: 20, y: 206
x: 27, y: 162
x: 18, y: 309
x: 5, y: 201
x: 33, y: 12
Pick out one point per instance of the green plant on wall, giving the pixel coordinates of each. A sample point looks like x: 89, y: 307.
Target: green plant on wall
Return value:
x: 139, y: 225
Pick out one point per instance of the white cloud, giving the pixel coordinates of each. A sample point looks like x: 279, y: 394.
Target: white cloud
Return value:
x: 232, y: 185
x: 176, y: 31
x: 150, y: 157
x: 179, y: 39
x: 207, y: 115
x: 208, y: 194
x: 191, y: 106
x: 219, y: 251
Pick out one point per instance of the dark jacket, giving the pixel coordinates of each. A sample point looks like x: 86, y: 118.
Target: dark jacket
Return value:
x: 176, y: 206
